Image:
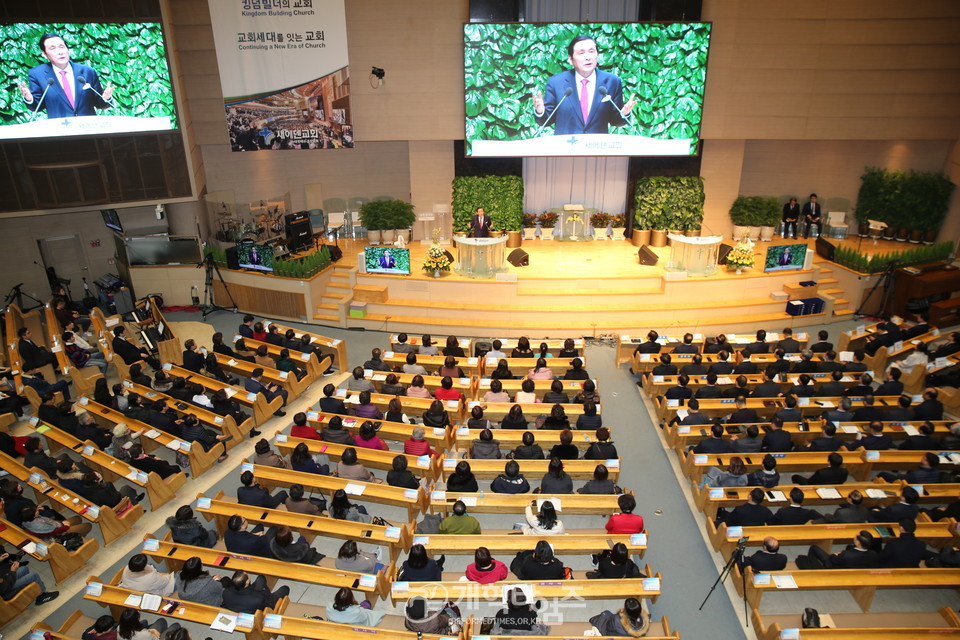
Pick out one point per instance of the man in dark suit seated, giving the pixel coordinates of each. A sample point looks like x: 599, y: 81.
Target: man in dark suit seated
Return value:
x: 274, y: 336
x: 780, y: 365
x: 842, y: 413
x: 694, y: 417
x: 743, y: 415
x: 665, y: 368
x: 751, y: 514
x: 242, y: 596
x: 130, y: 352
x: 875, y: 440
x: 869, y: 412
x: 902, y: 412
x: 857, y: 365
x: 719, y: 344
x: 253, y: 384
x: 766, y: 389
x: 766, y: 476
x: 924, y: 441
x: 859, y: 555
x: 906, y: 508
x: 828, y: 441
x: 650, y: 346
x: 151, y: 464
x: 832, y: 474
x: 723, y: 367
x: 852, y: 511
x: 806, y: 364
x: 760, y: 345
x: 803, y: 388
x: 777, y: 440
x: 864, y: 387
x: 696, y: 366
x: 794, y: 513
x: 949, y: 348
x: 162, y: 420
x: 745, y: 366
x: 822, y: 345
x: 246, y: 327
x: 790, y: 413
x: 33, y: 355
x: 715, y: 443
x: 927, y: 473
x: 787, y: 343
x: 710, y: 390
x: 253, y: 494
x: 828, y: 363
x: 33, y: 379
x: 687, y: 345
x: 904, y: 551
x: 892, y: 385
x: 681, y: 391
x: 249, y: 543
x: 402, y: 346
x: 768, y: 558
x: 329, y: 403
x: 833, y: 387
x: 739, y: 388
x: 931, y: 408
x: 192, y: 358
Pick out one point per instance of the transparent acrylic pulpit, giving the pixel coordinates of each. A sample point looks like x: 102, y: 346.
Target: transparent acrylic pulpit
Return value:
x: 695, y: 255
x: 480, y: 257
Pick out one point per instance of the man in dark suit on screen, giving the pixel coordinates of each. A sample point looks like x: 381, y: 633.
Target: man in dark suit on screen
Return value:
x: 72, y: 89
x: 590, y: 98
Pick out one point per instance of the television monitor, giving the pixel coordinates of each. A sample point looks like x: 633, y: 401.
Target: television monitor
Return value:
x: 644, y: 95
x: 111, y: 219
x: 154, y: 250
x: 785, y: 257
x: 255, y: 256
x: 121, y: 79
x: 387, y: 260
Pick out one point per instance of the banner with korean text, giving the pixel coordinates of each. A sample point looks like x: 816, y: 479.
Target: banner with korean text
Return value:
x: 284, y: 73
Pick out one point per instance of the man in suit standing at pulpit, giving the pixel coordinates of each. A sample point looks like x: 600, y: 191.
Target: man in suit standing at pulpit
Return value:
x: 480, y: 224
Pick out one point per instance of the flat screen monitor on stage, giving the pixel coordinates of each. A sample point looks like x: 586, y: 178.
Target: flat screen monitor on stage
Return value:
x: 387, y: 260
x: 90, y: 78
x: 785, y: 257
x: 111, y: 219
x: 255, y: 256
x: 584, y: 89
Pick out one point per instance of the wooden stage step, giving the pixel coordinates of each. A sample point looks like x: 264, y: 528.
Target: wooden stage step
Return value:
x: 575, y: 291
x: 326, y: 318
x: 638, y: 306
x: 843, y: 312
x: 339, y: 285
x: 328, y: 306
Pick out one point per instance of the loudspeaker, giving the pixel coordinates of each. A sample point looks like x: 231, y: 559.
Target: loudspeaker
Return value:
x: 725, y: 250
x: 335, y: 252
x: 825, y: 249
x: 647, y: 257
x: 519, y: 258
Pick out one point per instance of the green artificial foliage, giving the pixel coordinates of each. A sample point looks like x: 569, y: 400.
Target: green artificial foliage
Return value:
x: 913, y: 200
x: 669, y: 203
x: 500, y: 196
x: 755, y: 211
x: 131, y: 56
x: 878, y: 262
x: 379, y: 215
x: 663, y: 65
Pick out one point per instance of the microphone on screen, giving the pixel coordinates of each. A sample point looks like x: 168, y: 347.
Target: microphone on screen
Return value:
x: 566, y: 94
x: 42, y: 96
x: 86, y: 86
x: 608, y: 98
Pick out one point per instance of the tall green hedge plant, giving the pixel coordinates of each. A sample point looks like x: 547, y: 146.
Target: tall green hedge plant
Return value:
x: 664, y: 203
x: 500, y: 196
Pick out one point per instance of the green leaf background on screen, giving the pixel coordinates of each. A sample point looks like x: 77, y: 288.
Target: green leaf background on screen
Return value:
x: 131, y: 56
x: 664, y: 65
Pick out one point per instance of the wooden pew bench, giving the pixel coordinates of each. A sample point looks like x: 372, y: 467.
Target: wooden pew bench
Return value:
x: 851, y: 626
x: 411, y: 406
x: 333, y: 346
x: 533, y: 470
x: 471, y: 366
x: 423, y: 466
x: 296, y: 620
x: 520, y: 366
x: 225, y: 425
x: 695, y: 464
x: 502, y: 542
x: 540, y: 387
x: 512, y: 438
x: 573, y: 503
x: 283, y: 379
x: 63, y: 563
x: 440, y: 439
x: 466, y: 385
x: 257, y: 403
x: 307, y: 361
x: 497, y: 411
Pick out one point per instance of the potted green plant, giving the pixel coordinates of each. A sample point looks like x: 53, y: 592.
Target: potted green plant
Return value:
x: 374, y: 218
x: 547, y: 220
x: 747, y: 215
x: 529, y: 225
x: 641, y: 228
x: 768, y: 214
x: 400, y: 217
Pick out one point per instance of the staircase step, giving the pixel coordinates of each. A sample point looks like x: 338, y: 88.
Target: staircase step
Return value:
x: 337, y: 297
x: 326, y: 318
x: 341, y: 274
x: 832, y: 292
x: 823, y: 281
x: 339, y: 285
x: 843, y: 312
x: 328, y: 306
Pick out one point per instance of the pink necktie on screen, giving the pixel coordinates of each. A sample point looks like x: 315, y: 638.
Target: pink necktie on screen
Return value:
x: 584, y: 105
x: 66, y: 87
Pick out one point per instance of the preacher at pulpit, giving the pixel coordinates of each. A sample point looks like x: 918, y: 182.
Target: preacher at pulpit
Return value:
x: 64, y: 88
x: 480, y: 224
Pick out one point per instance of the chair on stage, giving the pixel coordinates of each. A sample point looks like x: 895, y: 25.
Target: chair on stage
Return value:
x: 836, y: 224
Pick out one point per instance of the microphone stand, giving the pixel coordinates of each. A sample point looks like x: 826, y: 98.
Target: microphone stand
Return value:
x: 88, y: 87
x: 43, y: 95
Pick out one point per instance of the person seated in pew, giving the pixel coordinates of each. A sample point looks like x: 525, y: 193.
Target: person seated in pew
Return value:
x: 192, y: 357
x: 366, y: 409
x: 540, y: 371
x: 410, y: 367
x: 155, y: 414
x: 746, y: 367
x: 302, y: 460
x: 391, y: 386
x: 822, y: 345
x: 122, y: 440
x: 213, y: 370
x: 462, y: 479
x: 776, y: 439
x: 768, y: 558
x: 852, y: 511
x: 106, y: 494
x: 267, y: 457
x: 794, y: 513
x: 806, y: 364
x: 555, y: 480
x: 417, y: 388
x: 739, y: 389
x: 35, y: 456
x: 615, y: 564
x: 350, y: 468
x: 859, y: 555
x: 329, y: 403
x: 151, y: 464
x: 566, y: 450
x: 400, y: 476
x: 402, y: 346
x: 569, y: 349
x: 766, y: 389
x: 906, y: 508
x: 128, y: 351
x: 951, y: 442
x: 436, y: 416
x: 137, y: 376
x: 376, y: 362
x: 334, y: 432
x: 742, y: 415
x: 930, y: 408
x: 178, y: 391
x: 857, y: 365
x: 255, y: 384
x: 750, y: 514
x: 226, y: 350
x: 600, y: 484
x: 274, y: 336
x: 103, y: 628
x: 286, y: 549
x: 709, y: 390
x: 588, y: 393
x: 301, y: 429
x: 69, y: 476
x: 496, y: 393
x: 828, y: 363
x: 650, y: 346
x: 779, y: 366
x: 33, y: 355
x: 842, y: 413
x: 874, y: 440
x: 718, y: 344
x: 485, y: 568
x: 342, y: 509
x: 416, y: 445
x: 760, y: 345
x: 357, y: 382
x: 427, y: 346
x: 185, y: 528
x: 192, y: 431
x: 419, y: 619
x: 694, y: 418
x: 476, y: 419
x: 502, y: 372
x: 88, y: 429
x: 864, y: 387
x: 514, y: 419
x: 297, y: 503
x: 832, y: 474
x: 243, y: 596
x: 367, y: 437
x: 827, y: 440
x: 526, y: 395
x: 695, y: 367
x: 251, y: 493
x: 632, y: 620
x: 446, y: 390
x: 529, y: 450
x: 485, y: 447
x: 905, y: 551
x: 602, y: 448
x: 902, y: 412
x: 626, y: 521
x: 681, y: 391
x: 450, y: 368
x: 419, y: 567
x: 923, y: 441
x: 556, y: 394
x: 543, y: 351
x: 350, y: 558
x: 194, y: 584
x: 511, y: 480
x: 589, y: 420
x: 665, y: 368
x: 927, y: 473
x: 288, y: 364
x: 734, y: 476
x: 289, y: 340
x: 34, y: 379
x: 260, y: 332
x: 576, y: 372
x: 139, y: 575
x: 459, y: 522
x: 686, y: 346
x: 346, y: 610
x: 131, y: 627
x: 787, y: 343
x: 538, y: 564
x: 716, y: 443
x: 519, y: 617
x: 246, y: 327
x: 766, y: 476
x: 395, y: 412
x: 722, y: 367
x: 803, y: 389
x: 545, y: 521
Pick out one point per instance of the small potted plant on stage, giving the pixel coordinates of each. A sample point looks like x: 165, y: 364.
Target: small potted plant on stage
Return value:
x: 618, y: 223
x: 768, y: 215
x: 374, y: 218
x: 741, y: 257
x: 400, y: 218
x: 529, y: 226
x: 746, y: 215
x: 600, y: 221
x: 547, y: 220
x: 437, y: 259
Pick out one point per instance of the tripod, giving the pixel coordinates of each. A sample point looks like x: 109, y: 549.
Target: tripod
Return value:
x: 208, y: 305
x: 735, y: 558
x: 16, y: 295
x: 887, y: 281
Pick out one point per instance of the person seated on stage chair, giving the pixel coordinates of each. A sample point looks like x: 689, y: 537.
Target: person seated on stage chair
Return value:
x: 791, y: 214
x: 768, y: 558
x: 665, y: 368
x: 811, y: 215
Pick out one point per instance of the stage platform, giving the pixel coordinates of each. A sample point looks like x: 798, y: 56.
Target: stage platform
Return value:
x: 583, y: 288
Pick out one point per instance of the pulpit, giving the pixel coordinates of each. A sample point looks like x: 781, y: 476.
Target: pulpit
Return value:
x: 695, y: 255
x: 480, y: 257
x: 573, y: 225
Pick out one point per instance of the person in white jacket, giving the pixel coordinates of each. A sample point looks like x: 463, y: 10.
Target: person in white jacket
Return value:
x: 138, y: 575
x: 545, y: 522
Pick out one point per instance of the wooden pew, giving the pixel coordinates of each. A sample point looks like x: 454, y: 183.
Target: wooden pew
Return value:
x: 466, y: 386
x: 533, y: 470
x: 411, y: 406
x: 570, y: 503
x: 520, y: 366
x: 659, y: 630
x: 502, y: 542
x: 84, y: 379
x: 540, y: 387
x: 496, y: 411
x: 306, y: 361
x: 71, y: 629
x: 861, y: 583
x: 471, y: 366
x: 851, y: 626
x: 62, y: 563
x: 292, y: 622
x: 14, y: 320
x: 12, y: 608
x: 718, y: 407
x: 658, y: 385
x: 310, y: 527
x: 226, y: 425
x: 413, y: 500
x: 440, y: 439
x: 102, y: 327
x: 327, y: 345
x: 512, y: 438
x: 894, y: 459
x: 423, y: 466
x: 113, y: 521
x: 795, y: 462
x: 175, y: 554
x: 261, y: 409
x: 159, y: 491
x: 438, y: 341
x: 554, y: 345
x: 625, y: 345
x: 283, y: 379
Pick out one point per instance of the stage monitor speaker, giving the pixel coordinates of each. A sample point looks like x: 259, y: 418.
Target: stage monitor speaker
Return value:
x: 825, y: 249
x: 519, y: 258
x: 725, y: 250
x: 335, y: 252
x: 647, y: 257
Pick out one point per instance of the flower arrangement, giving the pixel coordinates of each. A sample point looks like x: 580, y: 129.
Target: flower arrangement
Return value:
x: 547, y: 219
x: 600, y: 219
x: 436, y: 259
x: 742, y: 256
x: 529, y: 219
x: 619, y: 220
